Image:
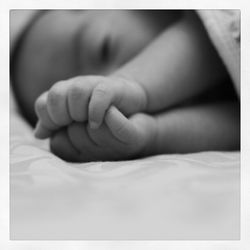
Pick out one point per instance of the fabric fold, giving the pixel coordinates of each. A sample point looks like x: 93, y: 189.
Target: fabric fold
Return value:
x: 223, y: 28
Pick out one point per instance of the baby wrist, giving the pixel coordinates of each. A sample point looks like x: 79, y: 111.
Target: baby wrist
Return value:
x: 135, y: 92
x: 148, y: 128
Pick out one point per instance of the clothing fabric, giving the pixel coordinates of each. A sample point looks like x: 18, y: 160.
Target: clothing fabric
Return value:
x: 223, y: 28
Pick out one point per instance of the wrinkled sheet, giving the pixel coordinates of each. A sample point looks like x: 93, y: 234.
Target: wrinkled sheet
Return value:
x: 192, y: 196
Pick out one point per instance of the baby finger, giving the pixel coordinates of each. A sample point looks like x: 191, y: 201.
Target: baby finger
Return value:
x: 57, y: 104
x: 42, y: 112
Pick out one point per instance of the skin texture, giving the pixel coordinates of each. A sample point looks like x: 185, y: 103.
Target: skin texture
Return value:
x: 194, y: 128
x: 85, y: 99
x: 98, y: 115
x: 117, y: 138
x: 150, y: 88
x: 64, y: 44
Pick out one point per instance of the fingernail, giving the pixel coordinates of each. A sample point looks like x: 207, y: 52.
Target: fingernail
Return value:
x: 93, y: 125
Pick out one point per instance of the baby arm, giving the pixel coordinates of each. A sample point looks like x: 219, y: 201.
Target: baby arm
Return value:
x: 208, y: 126
x: 179, y: 64
x: 199, y: 127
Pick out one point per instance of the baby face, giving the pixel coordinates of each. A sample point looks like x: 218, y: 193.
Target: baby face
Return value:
x: 63, y: 44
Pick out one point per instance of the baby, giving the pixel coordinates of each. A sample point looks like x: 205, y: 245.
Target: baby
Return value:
x: 117, y: 85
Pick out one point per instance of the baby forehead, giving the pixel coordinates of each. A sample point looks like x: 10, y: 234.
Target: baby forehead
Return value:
x: 84, y: 15
x: 52, y: 23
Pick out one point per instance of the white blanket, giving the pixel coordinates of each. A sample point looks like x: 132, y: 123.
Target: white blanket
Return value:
x: 193, y: 196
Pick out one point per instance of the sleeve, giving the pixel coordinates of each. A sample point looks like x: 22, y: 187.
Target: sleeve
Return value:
x: 223, y: 28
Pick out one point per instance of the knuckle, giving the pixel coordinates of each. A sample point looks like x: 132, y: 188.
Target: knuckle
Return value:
x: 76, y: 102
x: 54, y: 96
x: 101, y: 90
x: 40, y: 106
x: 79, y: 83
x: 77, y: 79
x: 75, y: 92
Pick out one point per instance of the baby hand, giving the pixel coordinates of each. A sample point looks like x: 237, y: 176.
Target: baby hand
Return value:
x: 86, y: 98
x: 118, y: 138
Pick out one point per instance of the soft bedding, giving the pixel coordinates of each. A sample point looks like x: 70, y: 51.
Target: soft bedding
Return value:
x: 191, y: 196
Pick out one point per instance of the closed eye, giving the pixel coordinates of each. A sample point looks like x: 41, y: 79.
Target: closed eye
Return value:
x: 105, y: 51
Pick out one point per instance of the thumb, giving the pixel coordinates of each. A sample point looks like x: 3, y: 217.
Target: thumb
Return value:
x: 120, y: 126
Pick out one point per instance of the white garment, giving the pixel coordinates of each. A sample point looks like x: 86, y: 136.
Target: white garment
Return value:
x: 223, y: 28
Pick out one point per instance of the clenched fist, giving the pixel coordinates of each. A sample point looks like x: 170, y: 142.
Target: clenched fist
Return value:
x: 86, y: 99
x: 118, y: 138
